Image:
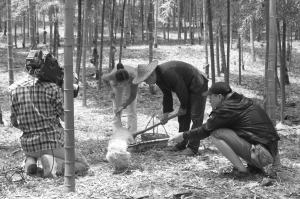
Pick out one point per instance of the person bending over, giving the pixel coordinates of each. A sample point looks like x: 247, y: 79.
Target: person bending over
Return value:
x: 188, y: 83
x: 120, y: 79
x: 239, y: 129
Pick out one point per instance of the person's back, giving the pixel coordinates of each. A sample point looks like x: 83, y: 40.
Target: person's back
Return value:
x: 37, y: 105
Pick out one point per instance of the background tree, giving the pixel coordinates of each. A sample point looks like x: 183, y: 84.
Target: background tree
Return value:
x: 78, y: 43
x: 9, y: 44
x: 101, y: 45
x: 84, y: 49
x: 211, y: 42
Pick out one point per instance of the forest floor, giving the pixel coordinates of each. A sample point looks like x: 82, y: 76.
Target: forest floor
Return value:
x: 154, y: 172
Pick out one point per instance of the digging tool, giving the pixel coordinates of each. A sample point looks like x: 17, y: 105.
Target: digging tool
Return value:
x: 151, y: 127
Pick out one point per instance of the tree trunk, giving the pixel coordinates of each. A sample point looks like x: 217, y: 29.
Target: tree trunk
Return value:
x: 133, y: 15
x: 211, y: 42
x: 24, y: 26
x: 37, y: 26
x: 78, y: 53
x: 142, y: 18
x: 122, y: 29
x: 51, y: 31
x: 267, y: 50
x: 150, y: 28
x: 240, y: 60
x: 179, y: 18
x: 69, y: 185
x: 9, y: 44
x: 101, y: 45
x: 185, y: 18
x: 223, y: 60
x: 31, y: 32
x: 205, y: 37
x: 16, y: 36
x: 218, y: 55
x: 173, y: 14
x: 155, y: 22
x: 252, y: 40
x: 283, y: 72
x: 125, y: 20
x: 95, y: 51
x: 228, y: 43
x: 84, y: 49
x: 111, y: 64
x: 271, y: 103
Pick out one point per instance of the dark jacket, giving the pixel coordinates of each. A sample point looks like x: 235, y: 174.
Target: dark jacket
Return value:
x: 181, y: 78
x: 249, y: 121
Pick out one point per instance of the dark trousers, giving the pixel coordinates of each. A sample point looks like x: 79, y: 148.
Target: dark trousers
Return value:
x: 195, y: 113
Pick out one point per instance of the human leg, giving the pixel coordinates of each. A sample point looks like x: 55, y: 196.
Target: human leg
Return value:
x: 232, y: 147
x: 197, y: 104
x: 53, y: 160
x: 184, y: 122
x: 131, y: 112
x: 117, y: 102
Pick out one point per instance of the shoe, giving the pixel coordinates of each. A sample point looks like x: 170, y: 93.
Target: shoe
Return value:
x: 30, y: 165
x: 237, y: 174
x: 49, y: 166
x: 255, y: 170
x: 186, y: 152
x: 172, y: 148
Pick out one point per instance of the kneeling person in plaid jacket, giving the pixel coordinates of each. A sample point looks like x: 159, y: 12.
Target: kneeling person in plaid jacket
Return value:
x: 38, y: 107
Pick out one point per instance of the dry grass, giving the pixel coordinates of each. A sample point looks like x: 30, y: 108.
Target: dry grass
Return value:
x: 155, y: 173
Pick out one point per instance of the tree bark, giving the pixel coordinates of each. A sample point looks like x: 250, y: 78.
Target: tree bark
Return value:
x: 69, y: 185
x: 252, y: 40
x: 228, y: 43
x: 10, y: 59
x: 101, y: 45
x: 211, y: 42
x: 78, y: 55
x: 223, y: 60
x: 271, y: 103
x: 31, y: 32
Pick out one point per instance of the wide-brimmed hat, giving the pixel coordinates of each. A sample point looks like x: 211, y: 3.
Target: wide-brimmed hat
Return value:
x: 144, y: 71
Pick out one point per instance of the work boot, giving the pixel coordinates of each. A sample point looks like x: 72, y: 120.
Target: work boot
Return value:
x: 49, y: 166
x: 30, y: 165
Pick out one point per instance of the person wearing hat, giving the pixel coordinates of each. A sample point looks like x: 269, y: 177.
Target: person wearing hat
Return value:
x: 188, y: 83
x: 120, y: 79
x: 239, y: 129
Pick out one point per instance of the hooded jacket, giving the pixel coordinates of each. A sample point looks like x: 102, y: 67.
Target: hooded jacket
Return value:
x: 248, y: 120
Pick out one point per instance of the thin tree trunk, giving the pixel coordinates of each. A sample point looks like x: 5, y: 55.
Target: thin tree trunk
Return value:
x: 9, y: 44
x: 84, y: 49
x: 31, y: 32
x: 205, y: 37
x: 211, y: 42
x: 142, y: 18
x: 223, y: 60
x: 240, y: 60
x: 228, y: 43
x: 101, y: 45
x: 150, y: 28
x: 78, y: 53
x: 218, y: 55
x: 111, y: 64
x: 179, y: 18
x: 252, y: 40
x: 122, y: 28
x: 267, y: 3
x: 271, y: 103
x: 37, y: 27
x: 95, y: 54
x: 16, y: 45
x: 155, y: 22
x: 133, y: 23
x: 283, y: 71
x: 24, y: 26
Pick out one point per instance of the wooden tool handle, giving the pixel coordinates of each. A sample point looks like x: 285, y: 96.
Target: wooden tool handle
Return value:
x: 151, y: 127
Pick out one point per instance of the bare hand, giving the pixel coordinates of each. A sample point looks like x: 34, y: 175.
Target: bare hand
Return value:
x: 181, y: 112
x: 164, y: 118
x: 112, y: 95
x: 177, y: 138
x: 119, y: 110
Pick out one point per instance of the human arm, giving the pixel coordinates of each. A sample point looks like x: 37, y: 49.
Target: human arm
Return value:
x: 132, y: 95
x: 174, y: 79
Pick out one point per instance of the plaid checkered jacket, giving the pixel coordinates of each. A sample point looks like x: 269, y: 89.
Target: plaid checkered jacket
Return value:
x: 38, y: 106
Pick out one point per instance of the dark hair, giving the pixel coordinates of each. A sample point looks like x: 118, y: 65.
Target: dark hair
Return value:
x: 121, y: 74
